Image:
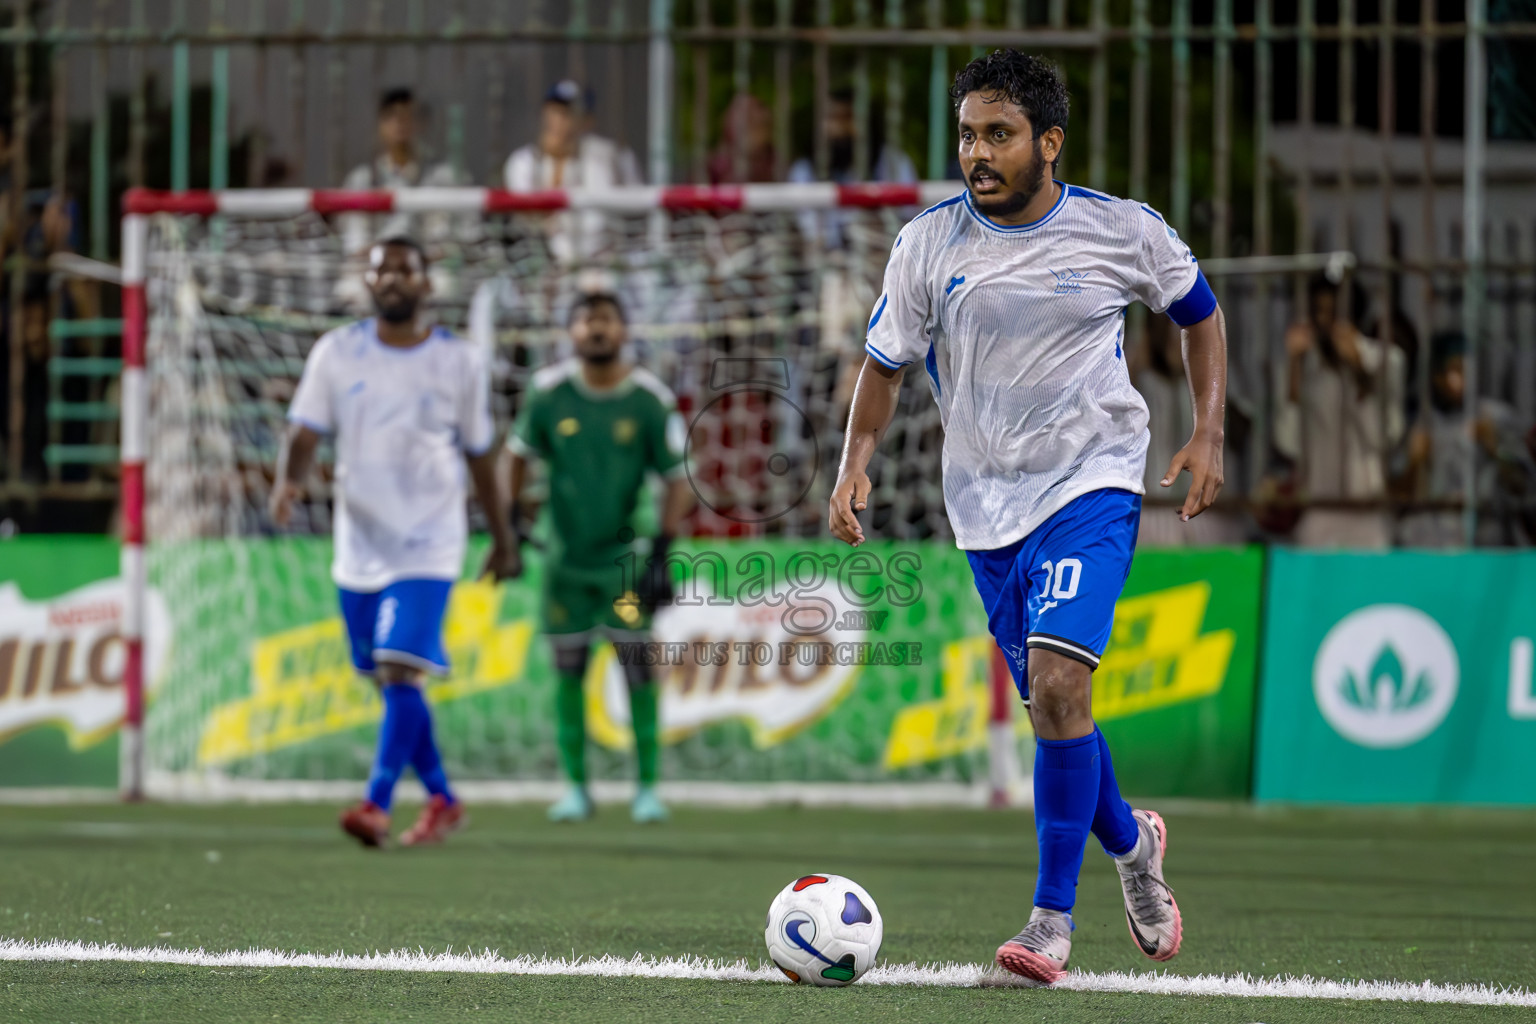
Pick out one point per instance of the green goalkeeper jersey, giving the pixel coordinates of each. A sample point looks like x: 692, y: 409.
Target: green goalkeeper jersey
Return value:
x: 598, y: 447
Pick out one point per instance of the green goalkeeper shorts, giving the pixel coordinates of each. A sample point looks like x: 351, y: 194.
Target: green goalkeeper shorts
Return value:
x: 578, y: 599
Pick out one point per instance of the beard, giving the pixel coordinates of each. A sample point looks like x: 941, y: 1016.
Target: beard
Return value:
x: 600, y: 358
x: 399, y: 310
x: 1033, y: 180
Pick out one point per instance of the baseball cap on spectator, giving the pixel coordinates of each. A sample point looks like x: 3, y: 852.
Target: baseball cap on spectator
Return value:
x: 570, y: 93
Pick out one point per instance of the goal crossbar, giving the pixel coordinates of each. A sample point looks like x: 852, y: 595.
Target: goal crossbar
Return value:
x: 288, y: 202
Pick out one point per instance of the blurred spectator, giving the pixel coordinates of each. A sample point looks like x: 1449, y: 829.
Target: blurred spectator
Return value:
x: 745, y: 152
x: 569, y: 154
x: 1440, y: 457
x: 890, y: 164
x: 1338, y: 414
x: 1156, y: 367
x: 48, y: 225
x: 399, y: 164
x: 35, y: 350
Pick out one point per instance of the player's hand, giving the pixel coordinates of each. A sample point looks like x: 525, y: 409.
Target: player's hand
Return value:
x: 502, y: 562
x: 849, y: 498
x: 654, y: 588
x: 280, y: 502
x: 1202, y: 457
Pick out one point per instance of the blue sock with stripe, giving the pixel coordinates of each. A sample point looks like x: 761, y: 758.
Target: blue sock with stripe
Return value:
x: 1112, y: 821
x: 1066, y: 798
x: 426, y: 760
x: 405, y: 712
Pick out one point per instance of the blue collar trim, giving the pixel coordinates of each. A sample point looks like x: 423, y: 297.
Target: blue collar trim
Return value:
x: 1013, y: 228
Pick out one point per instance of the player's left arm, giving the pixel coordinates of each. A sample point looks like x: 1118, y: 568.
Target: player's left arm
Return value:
x: 503, y: 561
x: 667, y: 437
x: 1205, y: 365
x: 1169, y: 280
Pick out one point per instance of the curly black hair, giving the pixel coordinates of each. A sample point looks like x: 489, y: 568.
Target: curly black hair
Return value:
x: 1031, y: 83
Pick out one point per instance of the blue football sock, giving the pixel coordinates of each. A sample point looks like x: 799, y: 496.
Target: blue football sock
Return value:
x: 1066, y: 795
x: 404, y: 714
x: 1112, y: 821
x: 425, y: 759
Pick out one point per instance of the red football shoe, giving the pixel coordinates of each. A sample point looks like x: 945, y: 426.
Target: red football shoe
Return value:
x: 367, y: 823
x: 437, y: 819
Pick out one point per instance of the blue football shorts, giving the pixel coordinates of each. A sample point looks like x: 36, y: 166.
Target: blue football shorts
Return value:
x: 403, y: 623
x: 1056, y: 588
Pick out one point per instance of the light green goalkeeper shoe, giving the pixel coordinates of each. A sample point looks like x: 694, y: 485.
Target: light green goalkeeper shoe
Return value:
x: 648, y: 807
x: 576, y: 805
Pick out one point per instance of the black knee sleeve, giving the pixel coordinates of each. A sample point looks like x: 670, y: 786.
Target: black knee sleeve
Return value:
x: 571, y: 659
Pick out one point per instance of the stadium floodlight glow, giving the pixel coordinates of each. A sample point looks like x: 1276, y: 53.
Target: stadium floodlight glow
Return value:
x: 279, y: 228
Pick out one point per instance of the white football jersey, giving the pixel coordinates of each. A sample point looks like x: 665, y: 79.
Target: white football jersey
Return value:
x: 1020, y: 330
x: 403, y: 420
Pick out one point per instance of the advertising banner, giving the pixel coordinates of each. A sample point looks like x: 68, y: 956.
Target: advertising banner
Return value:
x: 1174, y: 692
x: 61, y: 660
x: 780, y: 661
x: 1399, y: 677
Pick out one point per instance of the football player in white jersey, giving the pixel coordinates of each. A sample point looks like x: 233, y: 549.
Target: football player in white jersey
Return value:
x: 407, y: 404
x: 1011, y: 297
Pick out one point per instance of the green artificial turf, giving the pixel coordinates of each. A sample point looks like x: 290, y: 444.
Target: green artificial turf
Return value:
x: 1343, y: 895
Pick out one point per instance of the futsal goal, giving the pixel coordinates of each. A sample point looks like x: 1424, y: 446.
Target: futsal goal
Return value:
x: 749, y: 302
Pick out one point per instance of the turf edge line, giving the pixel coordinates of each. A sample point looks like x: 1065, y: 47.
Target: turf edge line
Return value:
x: 947, y: 975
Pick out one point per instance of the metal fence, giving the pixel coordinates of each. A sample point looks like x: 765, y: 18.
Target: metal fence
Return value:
x: 1269, y: 132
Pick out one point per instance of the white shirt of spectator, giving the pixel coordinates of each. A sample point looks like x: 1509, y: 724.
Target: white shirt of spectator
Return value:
x: 360, y: 230
x: 599, y: 163
x: 1020, y: 331
x: 403, y: 420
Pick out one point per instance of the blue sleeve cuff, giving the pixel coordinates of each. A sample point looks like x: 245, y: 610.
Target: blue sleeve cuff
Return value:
x: 1197, y: 304
x: 882, y: 358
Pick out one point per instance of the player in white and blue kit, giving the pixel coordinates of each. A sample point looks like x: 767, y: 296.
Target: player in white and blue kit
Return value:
x: 1011, y: 297
x: 407, y: 404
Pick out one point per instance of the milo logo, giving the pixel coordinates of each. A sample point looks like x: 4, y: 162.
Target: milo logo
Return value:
x: 1385, y: 676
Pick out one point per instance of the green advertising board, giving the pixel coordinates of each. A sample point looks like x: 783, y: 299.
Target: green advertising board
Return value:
x: 61, y: 692
x: 1174, y: 691
x: 786, y: 661
x: 1398, y: 677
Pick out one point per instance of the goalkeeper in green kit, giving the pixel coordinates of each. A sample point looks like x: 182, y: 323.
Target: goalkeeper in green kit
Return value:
x: 600, y: 424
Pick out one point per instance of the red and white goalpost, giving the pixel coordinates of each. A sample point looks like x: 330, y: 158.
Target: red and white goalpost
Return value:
x: 141, y: 445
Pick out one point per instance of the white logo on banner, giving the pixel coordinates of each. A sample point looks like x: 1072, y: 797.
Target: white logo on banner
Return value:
x: 739, y: 661
x: 61, y: 659
x: 1385, y: 676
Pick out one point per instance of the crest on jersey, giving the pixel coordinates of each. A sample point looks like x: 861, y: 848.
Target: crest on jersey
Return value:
x: 623, y: 431
x: 568, y: 427
x: 1069, y: 281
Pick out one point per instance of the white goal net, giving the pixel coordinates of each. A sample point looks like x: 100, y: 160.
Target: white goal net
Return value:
x: 753, y: 316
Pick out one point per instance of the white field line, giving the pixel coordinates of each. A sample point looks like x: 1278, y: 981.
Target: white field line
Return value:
x: 947, y: 975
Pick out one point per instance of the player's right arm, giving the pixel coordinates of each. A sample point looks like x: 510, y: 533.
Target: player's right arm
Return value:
x: 309, y: 418
x: 897, y: 335
x: 874, y: 406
